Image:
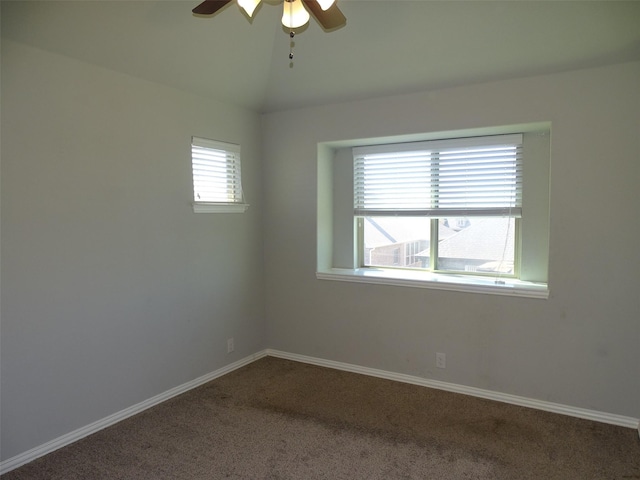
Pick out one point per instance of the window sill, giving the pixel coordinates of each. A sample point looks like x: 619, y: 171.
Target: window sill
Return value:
x: 456, y: 283
x: 220, y: 207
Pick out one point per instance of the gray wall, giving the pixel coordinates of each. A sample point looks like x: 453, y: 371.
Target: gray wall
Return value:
x: 579, y: 347
x: 113, y: 290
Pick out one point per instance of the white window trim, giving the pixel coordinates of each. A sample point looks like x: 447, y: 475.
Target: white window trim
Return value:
x: 437, y: 281
x: 203, y: 207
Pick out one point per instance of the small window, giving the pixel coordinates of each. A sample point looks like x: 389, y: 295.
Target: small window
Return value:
x: 456, y: 201
x: 217, y: 182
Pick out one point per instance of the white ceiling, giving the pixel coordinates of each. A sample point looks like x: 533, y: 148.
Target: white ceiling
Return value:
x: 387, y: 46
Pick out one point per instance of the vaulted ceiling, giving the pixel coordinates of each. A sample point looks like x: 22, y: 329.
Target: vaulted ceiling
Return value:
x: 387, y: 46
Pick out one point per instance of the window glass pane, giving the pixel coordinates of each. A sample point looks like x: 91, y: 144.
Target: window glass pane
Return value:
x: 396, y: 242
x: 476, y: 244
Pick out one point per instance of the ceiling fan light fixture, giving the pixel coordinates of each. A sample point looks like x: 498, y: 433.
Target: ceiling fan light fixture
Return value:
x: 249, y: 6
x: 294, y: 14
x: 325, y: 4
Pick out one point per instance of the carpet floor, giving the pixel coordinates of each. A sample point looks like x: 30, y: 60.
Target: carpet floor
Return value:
x: 278, y: 419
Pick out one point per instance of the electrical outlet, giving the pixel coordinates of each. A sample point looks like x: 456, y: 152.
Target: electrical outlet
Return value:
x: 441, y: 360
x: 229, y: 345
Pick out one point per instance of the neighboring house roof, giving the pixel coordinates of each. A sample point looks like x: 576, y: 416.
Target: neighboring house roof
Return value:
x: 483, y: 239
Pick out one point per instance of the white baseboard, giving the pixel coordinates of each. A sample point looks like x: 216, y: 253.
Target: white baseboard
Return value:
x: 94, y: 427
x: 597, y: 416
x: 64, y: 440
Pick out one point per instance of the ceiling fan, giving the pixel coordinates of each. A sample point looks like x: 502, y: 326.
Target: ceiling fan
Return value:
x: 295, y: 12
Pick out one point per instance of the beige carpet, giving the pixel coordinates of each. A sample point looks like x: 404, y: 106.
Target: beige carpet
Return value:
x: 276, y: 419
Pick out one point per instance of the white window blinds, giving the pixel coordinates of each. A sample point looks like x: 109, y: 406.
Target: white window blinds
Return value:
x: 479, y: 176
x: 216, y: 172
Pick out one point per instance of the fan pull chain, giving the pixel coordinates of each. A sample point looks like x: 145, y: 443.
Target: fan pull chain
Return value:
x: 291, y: 45
x: 292, y: 34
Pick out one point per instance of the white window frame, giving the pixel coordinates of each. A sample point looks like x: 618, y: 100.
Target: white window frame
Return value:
x: 425, y: 179
x: 217, y: 177
x: 337, y: 234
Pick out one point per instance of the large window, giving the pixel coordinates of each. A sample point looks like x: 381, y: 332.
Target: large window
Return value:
x: 443, y: 206
x: 464, y: 211
x: 217, y: 182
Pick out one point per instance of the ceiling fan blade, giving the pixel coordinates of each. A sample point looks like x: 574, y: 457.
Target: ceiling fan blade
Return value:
x: 209, y: 7
x: 330, y: 18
